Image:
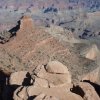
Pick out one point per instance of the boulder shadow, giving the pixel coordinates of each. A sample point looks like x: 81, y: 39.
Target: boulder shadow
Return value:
x: 27, y: 80
x: 96, y: 86
x: 15, y: 29
x: 31, y: 97
x: 77, y: 90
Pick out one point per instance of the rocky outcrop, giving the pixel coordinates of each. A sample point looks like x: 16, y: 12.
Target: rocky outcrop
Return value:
x: 33, y: 46
x: 47, y: 85
x: 43, y: 66
x: 39, y: 82
x: 54, y: 78
x: 26, y: 23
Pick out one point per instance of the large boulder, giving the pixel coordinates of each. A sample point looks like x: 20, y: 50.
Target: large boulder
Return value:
x: 54, y: 78
x: 43, y: 93
x: 56, y: 67
x: 55, y: 93
x: 20, y: 78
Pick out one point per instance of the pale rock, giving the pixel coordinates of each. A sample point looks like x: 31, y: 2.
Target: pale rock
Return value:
x: 26, y: 23
x: 40, y: 97
x: 92, y: 54
x: 57, y: 67
x: 89, y: 91
x: 41, y: 83
x: 56, y: 93
x: 20, y: 94
x: 20, y: 78
x: 53, y: 78
x: 40, y: 71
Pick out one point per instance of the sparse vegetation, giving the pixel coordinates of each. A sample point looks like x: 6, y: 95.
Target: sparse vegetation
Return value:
x: 4, y: 36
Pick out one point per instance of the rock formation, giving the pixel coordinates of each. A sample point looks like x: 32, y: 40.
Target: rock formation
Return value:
x: 49, y: 86
x: 33, y: 46
x: 42, y: 66
x: 26, y: 23
x: 56, y: 67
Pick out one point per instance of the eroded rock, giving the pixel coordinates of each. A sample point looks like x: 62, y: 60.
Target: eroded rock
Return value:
x: 89, y: 91
x: 57, y: 68
x: 20, y: 78
x: 54, y: 78
x: 39, y: 82
x: 26, y: 23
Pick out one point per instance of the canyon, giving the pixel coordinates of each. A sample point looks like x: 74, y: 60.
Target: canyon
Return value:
x: 49, y: 50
